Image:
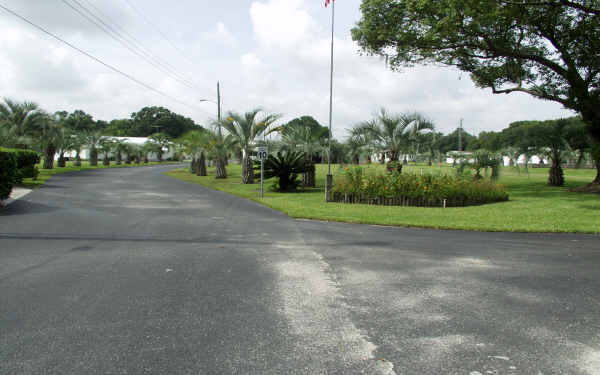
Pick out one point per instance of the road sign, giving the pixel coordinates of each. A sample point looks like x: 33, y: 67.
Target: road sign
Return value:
x: 263, y: 153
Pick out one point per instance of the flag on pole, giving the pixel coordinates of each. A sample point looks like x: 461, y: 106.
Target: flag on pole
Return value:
x: 327, y: 2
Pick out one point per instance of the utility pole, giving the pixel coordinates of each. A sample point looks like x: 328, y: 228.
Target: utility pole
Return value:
x: 219, y: 105
x: 460, y: 135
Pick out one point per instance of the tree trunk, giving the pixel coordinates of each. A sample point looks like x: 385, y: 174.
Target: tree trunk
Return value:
x: 220, y: 170
x: 49, y: 157
x: 308, y: 178
x: 579, y: 159
x: 597, y: 179
x: 201, y: 165
x: 193, y: 168
x: 106, y: 160
x: 94, y: 157
x: 160, y: 155
x: 62, y: 162
x: 556, y: 177
x: 119, y: 158
x: 77, y: 160
x: 247, y: 170
x: 146, y: 161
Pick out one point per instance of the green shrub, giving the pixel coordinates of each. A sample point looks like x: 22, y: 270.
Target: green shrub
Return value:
x: 411, y: 189
x: 26, y: 163
x: 8, y: 172
x: 285, y: 166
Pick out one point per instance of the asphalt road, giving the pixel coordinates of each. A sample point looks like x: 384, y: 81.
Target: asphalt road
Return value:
x: 126, y: 271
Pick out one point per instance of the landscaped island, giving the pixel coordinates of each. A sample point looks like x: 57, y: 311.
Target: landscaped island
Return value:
x: 412, y: 189
x: 533, y: 206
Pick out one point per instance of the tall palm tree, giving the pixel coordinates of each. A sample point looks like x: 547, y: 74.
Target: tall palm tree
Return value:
x: 245, y: 129
x: 392, y: 134
x: 24, y: 118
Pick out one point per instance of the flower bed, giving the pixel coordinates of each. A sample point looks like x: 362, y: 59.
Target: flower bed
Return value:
x: 407, y: 189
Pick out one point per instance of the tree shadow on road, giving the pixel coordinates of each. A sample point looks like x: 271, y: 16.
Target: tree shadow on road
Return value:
x: 23, y: 207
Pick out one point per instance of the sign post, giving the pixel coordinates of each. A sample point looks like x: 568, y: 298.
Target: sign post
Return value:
x: 263, y: 153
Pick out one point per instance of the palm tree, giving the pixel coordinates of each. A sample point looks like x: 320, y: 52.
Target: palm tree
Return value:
x: 218, y: 147
x: 129, y: 150
x: 119, y: 148
x: 79, y: 141
x: 67, y: 143
x: 49, y: 134
x: 145, y: 149
x: 9, y: 137
x: 195, y: 144
x: 162, y: 142
x: 106, y: 146
x: 245, y: 129
x: 92, y: 140
x: 355, y: 148
x: 304, y: 134
x: 24, y: 118
x: 393, y: 134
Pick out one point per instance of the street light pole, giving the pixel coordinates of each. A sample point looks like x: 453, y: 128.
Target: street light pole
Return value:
x: 329, y: 180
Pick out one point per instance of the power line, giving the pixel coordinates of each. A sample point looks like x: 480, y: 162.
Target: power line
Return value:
x: 116, y: 70
x: 162, y: 34
x: 141, y: 46
x: 118, y: 37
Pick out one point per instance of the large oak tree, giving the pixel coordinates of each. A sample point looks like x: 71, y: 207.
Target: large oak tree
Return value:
x: 549, y: 49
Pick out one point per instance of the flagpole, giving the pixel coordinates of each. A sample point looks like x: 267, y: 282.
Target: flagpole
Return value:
x: 329, y: 180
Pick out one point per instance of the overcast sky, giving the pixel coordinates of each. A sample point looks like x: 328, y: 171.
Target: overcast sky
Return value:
x: 268, y: 53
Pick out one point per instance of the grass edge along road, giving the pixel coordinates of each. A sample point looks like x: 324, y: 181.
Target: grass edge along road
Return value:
x: 533, y: 206
x: 45, y: 174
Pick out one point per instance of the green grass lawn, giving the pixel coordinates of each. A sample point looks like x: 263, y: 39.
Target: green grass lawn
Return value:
x: 45, y: 174
x: 533, y: 206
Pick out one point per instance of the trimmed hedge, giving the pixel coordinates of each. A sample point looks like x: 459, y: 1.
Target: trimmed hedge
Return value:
x: 395, y: 189
x: 8, y: 172
x: 26, y: 163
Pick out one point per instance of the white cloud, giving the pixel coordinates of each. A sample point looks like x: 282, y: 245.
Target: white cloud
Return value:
x: 289, y: 36
x: 268, y: 53
x: 220, y: 34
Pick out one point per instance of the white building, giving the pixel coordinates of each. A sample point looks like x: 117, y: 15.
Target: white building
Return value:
x: 138, y: 141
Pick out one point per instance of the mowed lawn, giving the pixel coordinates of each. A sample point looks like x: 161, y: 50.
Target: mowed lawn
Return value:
x: 533, y: 206
x: 45, y: 174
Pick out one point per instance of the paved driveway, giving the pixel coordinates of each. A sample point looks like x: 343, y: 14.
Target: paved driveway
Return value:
x: 126, y: 271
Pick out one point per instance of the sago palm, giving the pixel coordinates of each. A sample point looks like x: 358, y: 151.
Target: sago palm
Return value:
x: 305, y: 135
